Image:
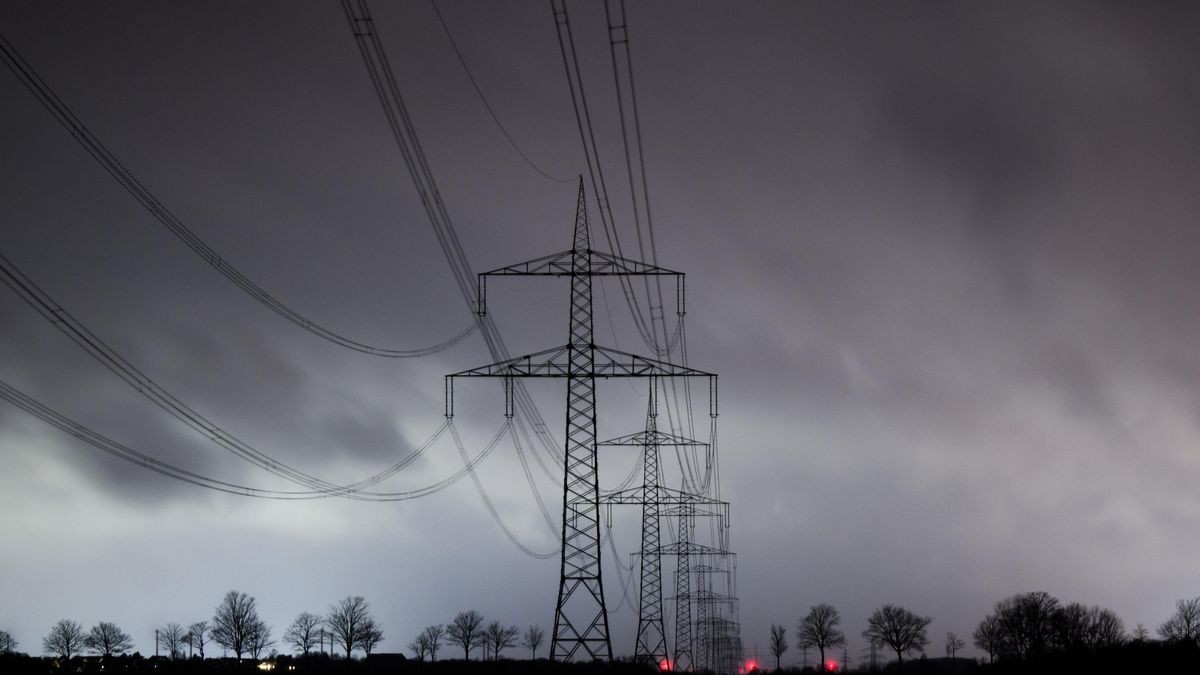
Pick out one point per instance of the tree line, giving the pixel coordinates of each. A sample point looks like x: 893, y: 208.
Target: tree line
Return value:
x: 235, y: 627
x: 467, y: 631
x: 1021, y: 628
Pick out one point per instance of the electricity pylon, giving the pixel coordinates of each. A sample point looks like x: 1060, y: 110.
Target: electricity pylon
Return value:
x: 650, y: 644
x: 580, y: 617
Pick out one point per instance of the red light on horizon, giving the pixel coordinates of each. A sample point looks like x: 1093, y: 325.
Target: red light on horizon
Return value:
x: 831, y: 666
x: 665, y: 665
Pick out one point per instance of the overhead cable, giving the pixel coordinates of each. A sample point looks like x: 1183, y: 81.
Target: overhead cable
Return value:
x: 46, y: 96
x: 123, y: 452
x: 487, y: 501
x: 370, y: 48
x: 65, y: 322
x: 483, y: 99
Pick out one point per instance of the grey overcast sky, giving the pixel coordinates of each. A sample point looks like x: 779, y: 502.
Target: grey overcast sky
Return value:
x: 943, y: 255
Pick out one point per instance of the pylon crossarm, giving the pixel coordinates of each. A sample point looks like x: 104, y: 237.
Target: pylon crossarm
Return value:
x: 643, y: 438
x: 608, y: 363
x: 559, y: 265
x: 666, y: 497
x: 565, y: 264
x: 616, y: 363
x: 711, y: 510
x: 692, y: 548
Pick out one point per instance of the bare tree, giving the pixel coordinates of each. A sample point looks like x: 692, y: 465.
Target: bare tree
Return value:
x: 819, y: 628
x: 370, y: 636
x: 198, y: 636
x: 1070, y: 623
x: 899, y: 629
x: 417, y: 647
x: 347, y: 619
x: 953, y: 644
x: 1184, y: 624
x: 989, y: 636
x: 1028, y: 622
x: 107, y: 639
x: 497, y: 638
x: 1139, y: 634
x: 8, y: 644
x: 532, y: 639
x: 1104, y: 629
x: 431, y: 639
x: 235, y: 623
x: 304, y: 632
x: 260, y: 638
x: 779, y: 643
x: 465, y: 631
x: 171, y: 638
x: 66, y: 639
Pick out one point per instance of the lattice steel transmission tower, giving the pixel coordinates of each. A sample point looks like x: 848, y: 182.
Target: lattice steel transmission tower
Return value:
x: 650, y: 644
x: 580, y: 617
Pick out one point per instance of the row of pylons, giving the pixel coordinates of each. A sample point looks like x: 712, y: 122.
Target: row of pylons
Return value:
x: 706, y: 633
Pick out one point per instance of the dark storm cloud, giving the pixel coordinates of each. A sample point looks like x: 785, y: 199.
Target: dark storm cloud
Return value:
x: 942, y: 255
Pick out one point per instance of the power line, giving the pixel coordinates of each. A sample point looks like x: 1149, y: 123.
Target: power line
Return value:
x: 46, y: 96
x: 483, y: 99
x: 487, y: 501
x: 65, y: 322
x: 362, y: 25
x: 123, y: 452
x: 587, y: 136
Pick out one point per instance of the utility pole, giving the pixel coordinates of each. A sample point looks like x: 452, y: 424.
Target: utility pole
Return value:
x: 580, y: 616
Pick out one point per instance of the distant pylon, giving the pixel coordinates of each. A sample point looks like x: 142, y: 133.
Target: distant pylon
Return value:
x: 651, y: 642
x: 650, y: 645
x: 683, y: 597
x: 580, y: 617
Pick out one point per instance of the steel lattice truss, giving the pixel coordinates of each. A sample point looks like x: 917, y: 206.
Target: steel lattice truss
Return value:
x: 581, y: 618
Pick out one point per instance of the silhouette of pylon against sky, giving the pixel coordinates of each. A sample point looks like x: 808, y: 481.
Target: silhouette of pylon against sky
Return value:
x: 650, y: 644
x: 580, y: 617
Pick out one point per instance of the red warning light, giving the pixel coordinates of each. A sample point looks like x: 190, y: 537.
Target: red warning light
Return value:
x: 831, y: 666
x: 751, y: 666
x: 665, y: 665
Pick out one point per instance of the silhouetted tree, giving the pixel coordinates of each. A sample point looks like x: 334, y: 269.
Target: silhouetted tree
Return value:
x: 106, y: 639
x: 1070, y: 625
x: 779, y: 643
x: 819, y: 628
x: 431, y: 639
x: 498, y: 638
x: 953, y: 644
x: 465, y: 631
x: 1027, y: 622
x: 418, y: 648
x: 8, y: 644
x: 304, y: 632
x: 197, y: 636
x: 370, y: 636
x: 989, y: 636
x: 533, y: 639
x: 260, y: 639
x: 1184, y: 624
x: 235, y: 623
x: 1139, y: 634
x: 1104, y: 629
x: 171, y: 638
x: 899, y: 629
x: 347, y: 620
x: 65, y: 640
